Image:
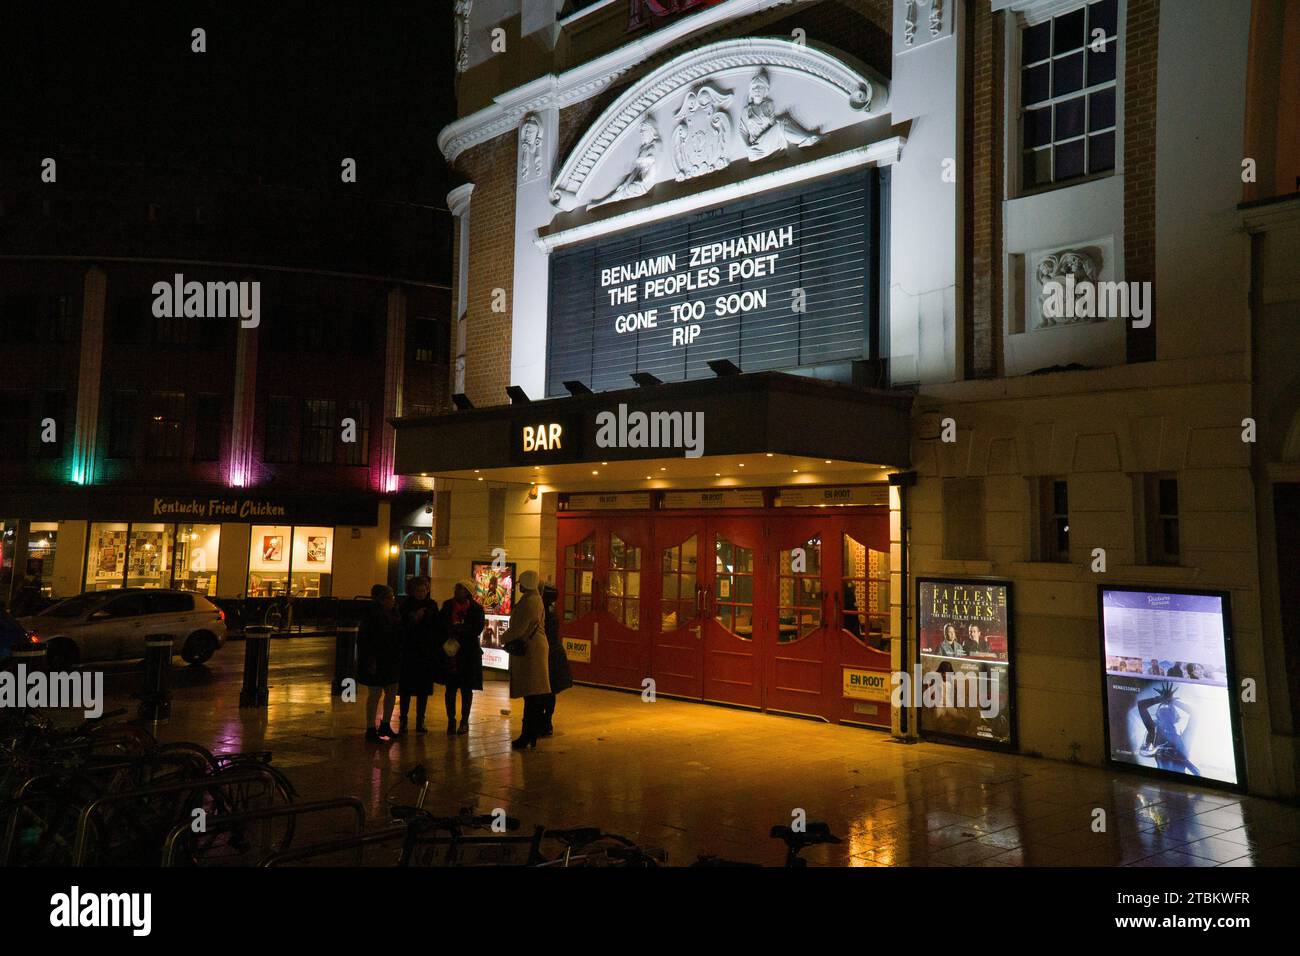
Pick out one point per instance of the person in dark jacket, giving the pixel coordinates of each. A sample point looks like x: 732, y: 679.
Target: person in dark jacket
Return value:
x: 423, y: 633
x: 557, y: 661
x: 460, y: 655
x: 379, y: 658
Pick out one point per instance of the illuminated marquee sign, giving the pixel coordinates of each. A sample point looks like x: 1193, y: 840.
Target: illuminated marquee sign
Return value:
x: 779, y: 281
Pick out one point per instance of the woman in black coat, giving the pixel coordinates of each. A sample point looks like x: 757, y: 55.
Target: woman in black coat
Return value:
x: 379, y: 658
x: 557, y: 661
x: 462, y: 620
x: 423, y: 630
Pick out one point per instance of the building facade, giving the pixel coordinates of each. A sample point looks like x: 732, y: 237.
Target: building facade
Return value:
x: 957, y: 298
x: 198, y: 373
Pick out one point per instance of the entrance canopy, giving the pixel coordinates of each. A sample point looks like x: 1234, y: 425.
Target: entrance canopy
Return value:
x: 779, y: 426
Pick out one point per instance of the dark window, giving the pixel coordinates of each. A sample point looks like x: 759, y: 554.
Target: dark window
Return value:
x: 54, y: 403
x: 207, y: 426
x: 279, y: 429
x: 1067, y: 95
x: 15, y: 418
x: 122, y: 424
x: 430, y: 341
x: 355, y: 452
x: 320, y: 423
x: 166, y: 425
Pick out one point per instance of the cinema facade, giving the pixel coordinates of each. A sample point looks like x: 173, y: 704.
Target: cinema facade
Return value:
x: 753, y: 362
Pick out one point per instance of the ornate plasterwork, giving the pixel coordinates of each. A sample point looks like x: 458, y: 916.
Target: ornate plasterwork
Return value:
x: 689, y: 70
x: 530, y: 148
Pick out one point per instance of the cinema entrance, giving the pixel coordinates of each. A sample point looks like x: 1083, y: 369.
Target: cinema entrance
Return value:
x: 778, y: 607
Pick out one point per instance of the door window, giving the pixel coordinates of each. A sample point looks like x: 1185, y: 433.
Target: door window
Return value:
x: 677, y: 604
x: 864, y: 594
x: 624, y: 582
x: 799, y: 591
x: 579, y: 570
x: 733, y: 582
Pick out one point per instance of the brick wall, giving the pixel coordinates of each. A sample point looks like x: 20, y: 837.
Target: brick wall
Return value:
x: 985, y: 122
x: 491, y: 167
x: 1141, y: 37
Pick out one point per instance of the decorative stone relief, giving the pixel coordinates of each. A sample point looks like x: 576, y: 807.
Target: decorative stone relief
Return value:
x: 765, y: 130
x: 641, y: 178
x: 703, y: 132
x: 462, y: 34
x: 530, y: 148
x: 1080, y: 265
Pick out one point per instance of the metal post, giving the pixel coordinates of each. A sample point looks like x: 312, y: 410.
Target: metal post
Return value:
x: 155, y: 695
x: 257, y: 655
x: 345, y: 657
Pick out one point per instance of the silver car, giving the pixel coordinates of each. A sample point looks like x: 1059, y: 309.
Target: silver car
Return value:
x: 113, y: 625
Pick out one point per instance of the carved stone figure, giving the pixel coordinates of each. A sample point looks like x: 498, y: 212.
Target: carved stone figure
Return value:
x: 530, y: 149
x: 462, y: 34
x: 765, y: 130
x: 641, y: 178
x: 703, y: 132
x: 1055, y: 268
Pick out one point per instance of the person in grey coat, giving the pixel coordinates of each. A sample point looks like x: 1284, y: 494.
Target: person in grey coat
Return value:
x: 557, y: 660
x: 525, y: 640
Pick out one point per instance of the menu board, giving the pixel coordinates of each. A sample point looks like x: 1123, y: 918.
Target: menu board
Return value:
x: 1168, y: 699
x: 964, y: 630
x: 494, y: 588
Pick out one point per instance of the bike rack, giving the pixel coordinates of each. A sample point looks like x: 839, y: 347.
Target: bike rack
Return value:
x: 229, y: 821
x: 209, y: 784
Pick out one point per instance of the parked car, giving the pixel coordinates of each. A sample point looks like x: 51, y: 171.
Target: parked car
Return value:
x: 12, y: 634
x: 113, y: 625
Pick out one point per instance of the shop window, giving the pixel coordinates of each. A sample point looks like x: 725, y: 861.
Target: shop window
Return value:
x: 1054, y: 519
x: 148, y: 558
x: 863, y: 602
x: 122, y: 424
x: 15, y: 417
x: 733, y: 583
x: 165, y: 425
x: 355, y: 452
x: 799, y: 591
x: 320, y: 423
x: 106, y: 556
x: 268, y: 560
x: 194, y: 565
x: 678, y: 576
x: 963, y: 519
x: 278, y: 441
x: 207, y: 426
x: 579, y: 576
x: 624, y: 599
x: 1068, y: 95
x: 1163, y: 536
x: 54, y: 403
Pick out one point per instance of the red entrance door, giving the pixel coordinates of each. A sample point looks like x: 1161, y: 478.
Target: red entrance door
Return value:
x: 678, y: 620
x: 735, y: 606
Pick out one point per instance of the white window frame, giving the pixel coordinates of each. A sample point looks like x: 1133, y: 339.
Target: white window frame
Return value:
x: 1030, y: 13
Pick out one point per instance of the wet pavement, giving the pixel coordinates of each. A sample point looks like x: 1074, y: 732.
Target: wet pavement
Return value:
x: 693, y: 779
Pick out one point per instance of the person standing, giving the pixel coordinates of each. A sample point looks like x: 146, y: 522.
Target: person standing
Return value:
x: 525, y: 641
x: 422, y: 632
x: 460, y: 654
x: 557, y: 660
x: 379, y: 659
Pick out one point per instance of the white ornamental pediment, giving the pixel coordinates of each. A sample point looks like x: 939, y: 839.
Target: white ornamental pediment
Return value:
x: 747, y: 99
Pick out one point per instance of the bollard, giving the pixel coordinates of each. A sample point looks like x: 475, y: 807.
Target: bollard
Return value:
x: 345, y: 657
x: 257, y: 655
x: 155, y: 696
x: 26, y: 659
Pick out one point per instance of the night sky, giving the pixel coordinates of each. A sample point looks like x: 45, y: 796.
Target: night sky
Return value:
x: 285, y: 90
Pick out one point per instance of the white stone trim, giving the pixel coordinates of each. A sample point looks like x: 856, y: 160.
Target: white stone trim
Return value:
x: 885, y: 152
x: 862, y: 92
x: 586, y: 80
